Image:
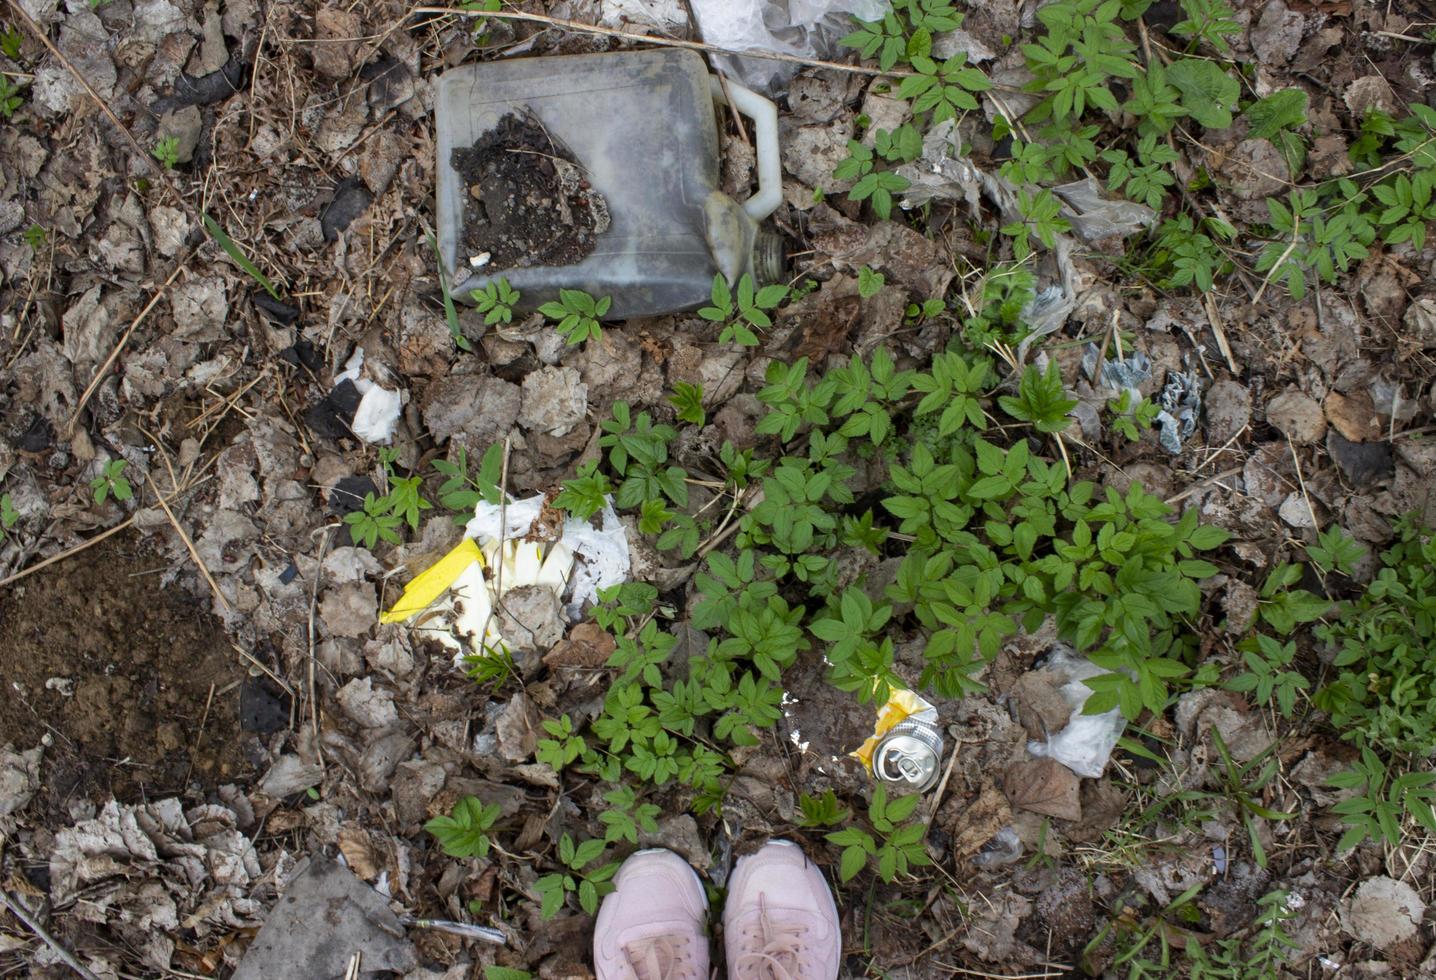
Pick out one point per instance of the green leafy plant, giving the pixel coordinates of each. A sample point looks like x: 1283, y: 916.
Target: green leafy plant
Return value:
x: 1041, y: 400
x: 1377, y: 811
x: 870, y: 283
x: 1384, y: 691
x: 562, y: 746
x: 1209, y: 22
x: 1073, y: 62
x: 464, y: 832
x: 8, y: 514
x: 576, y: 314
x: 869, y: 180
x: 496, y: 301
x: 35, y: 237
x: 821, y: 811
x: 943, y: 88
x: 742, y: 312
x: 1184, y: 254
x: 687, y: 402
x: 10, y: 98
x: 897, y: 846
x: 405, y: 498
x: 372, y: 522
x: 1145, y: 178
x: 1335, y: 551
x: 1266, y: 676
x: 1209, y: 93
x: 586, y: 494
x: 627, y: 816
x: 492, y: 971
x: 590, y: 886
x: 461, y: 491
x: 10, y: 41
x: 1129, y: 420
x: 166, y: 151
x: 112, y: 482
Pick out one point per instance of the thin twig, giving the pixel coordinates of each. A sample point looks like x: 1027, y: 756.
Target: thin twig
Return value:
x: 194, y: 750
x: 189, y: 545
x: 314, y: 601
x: 104, y: 368
x: 87, y: 543
x: 667, y: 42
x: 33, y: 924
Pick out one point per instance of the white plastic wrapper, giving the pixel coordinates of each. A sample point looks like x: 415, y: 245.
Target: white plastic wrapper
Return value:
x: 378, y: 410
x: 803, y: 28
x: 1086, y: 744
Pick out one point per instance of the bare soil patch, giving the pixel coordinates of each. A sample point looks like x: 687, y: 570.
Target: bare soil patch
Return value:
x: 118, y: 670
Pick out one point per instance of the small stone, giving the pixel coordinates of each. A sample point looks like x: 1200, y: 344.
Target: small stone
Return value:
x: 1297, y: 416
x: 1367, y: 93
x: 1257, y: 169
x: 184, y: 127
x: 1229, y: 409
x: 555, y: 399
x: 1383, y: 912
x: 1295, y: 511
x: 369, y: 707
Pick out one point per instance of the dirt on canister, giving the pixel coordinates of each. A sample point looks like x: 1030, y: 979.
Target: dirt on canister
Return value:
x: 528, y: 200
x: 133, y: 682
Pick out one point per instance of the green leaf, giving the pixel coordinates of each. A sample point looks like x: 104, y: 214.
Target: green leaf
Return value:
x: 237, y: 253
x: 1209, y: 93
x: 1284, y: 109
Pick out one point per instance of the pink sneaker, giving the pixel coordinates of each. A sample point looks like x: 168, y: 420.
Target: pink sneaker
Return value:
x: 652, y: 926
x: 780, y: 922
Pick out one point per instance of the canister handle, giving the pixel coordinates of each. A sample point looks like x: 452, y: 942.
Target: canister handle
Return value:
x: 765, y: 141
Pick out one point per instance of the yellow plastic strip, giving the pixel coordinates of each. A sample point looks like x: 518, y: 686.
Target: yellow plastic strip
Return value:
x: 432, y: 582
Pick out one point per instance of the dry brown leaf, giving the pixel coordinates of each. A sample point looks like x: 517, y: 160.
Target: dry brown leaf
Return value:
x: 976, y: 824
x: 358, y: 851
x: 587, y: 645
x: 1045, y: 786
x: 1041, y: 709
x: 1354, y: 416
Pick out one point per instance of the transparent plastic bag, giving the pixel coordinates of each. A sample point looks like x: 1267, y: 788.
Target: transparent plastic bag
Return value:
x: 803, y: 28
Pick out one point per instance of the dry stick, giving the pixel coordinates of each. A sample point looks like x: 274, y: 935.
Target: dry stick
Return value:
x: 189, y: 545
x: 88, y: 542
x: 313, y: 601
x: 203, y: 720
x: 104, y: 368
x: 25, y: 916
x: 1216, y: 321
x: 575, y: 25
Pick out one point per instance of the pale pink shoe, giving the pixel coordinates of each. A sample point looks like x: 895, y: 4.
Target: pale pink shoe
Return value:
x: 652, y: 926
x: 780, y: 922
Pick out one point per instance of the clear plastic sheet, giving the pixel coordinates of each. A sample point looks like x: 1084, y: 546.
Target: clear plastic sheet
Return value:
x: 803, y: 28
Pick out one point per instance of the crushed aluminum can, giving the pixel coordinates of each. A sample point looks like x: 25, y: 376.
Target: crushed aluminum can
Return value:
x: 910, y: 755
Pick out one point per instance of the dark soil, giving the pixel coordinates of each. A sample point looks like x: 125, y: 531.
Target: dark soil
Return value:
x: 117, y: 669
x: 529, y: 202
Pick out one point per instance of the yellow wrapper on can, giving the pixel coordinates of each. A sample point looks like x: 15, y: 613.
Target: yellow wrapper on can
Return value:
x: 901, y: 705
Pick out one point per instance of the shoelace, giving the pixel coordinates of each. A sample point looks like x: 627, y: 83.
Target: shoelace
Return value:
x: 659, y: 958
x: 779, y: 957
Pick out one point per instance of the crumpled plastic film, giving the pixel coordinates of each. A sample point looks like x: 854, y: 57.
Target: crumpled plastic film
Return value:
x: 1181, y: 403
x: 803, y: 28
x: 942, y: 173
x: 901, y: 705
x: 1086, y: 743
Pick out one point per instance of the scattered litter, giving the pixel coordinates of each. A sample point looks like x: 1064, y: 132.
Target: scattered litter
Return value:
x: 481, y: 933
x: 1086, y: 744
x: 906, y: 745
x: 1003, y: 849
x: 804, y: 28
x: 521, y: 544
x: 378, y: 408
x: 1095, y: 216
x: 1128, y: 373
x: 1181, y: 405
x: 943, y: 173
x: 326, y: 918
